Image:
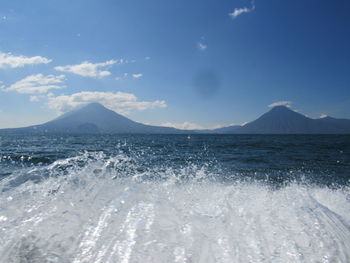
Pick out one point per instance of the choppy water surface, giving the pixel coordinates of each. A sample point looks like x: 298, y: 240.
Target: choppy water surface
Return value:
x: 179, y: 198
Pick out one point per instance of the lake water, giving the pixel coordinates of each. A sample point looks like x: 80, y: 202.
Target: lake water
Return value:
x: 174, y: 198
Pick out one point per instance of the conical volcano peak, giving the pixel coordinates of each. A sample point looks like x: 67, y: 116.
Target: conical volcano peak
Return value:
x: 283, y: 111
x: 281, y: 108
x: 93, y: 105
x: 96, y: 118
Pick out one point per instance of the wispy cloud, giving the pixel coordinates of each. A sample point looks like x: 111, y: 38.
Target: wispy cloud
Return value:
x: 127, y: 75
x: 147, y: 58
x: 123, y: 76
x: 239, y: 11
x: 37, y: 84
x: 136, y: 76
x: 12, y: 61
x: 201, y: 46
x: 183, y: 126
x: 280, y: 103
x: 88, y: 69
x: 191, y: 126
x: 34, y: 98
x: 118, y: 101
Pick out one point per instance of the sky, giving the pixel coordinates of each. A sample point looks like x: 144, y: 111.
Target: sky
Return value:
x: 185, y: 63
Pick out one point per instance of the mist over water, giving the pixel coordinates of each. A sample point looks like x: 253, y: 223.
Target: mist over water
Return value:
x: 177, y: 198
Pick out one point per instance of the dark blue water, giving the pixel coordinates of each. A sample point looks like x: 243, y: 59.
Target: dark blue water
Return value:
x: 323, y: 159
x: 174, y: 198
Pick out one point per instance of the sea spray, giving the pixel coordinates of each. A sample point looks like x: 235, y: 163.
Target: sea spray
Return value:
x: 95, y: 207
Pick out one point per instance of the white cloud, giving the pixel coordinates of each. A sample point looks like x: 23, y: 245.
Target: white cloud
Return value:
x: 88, y: 69
x: 280, y: 103
x: 201, y: 46
x: 119, y: 101
x: 12, y: 61
x: 37, y: 84
x: 183, y: 126
x: 238, y: 11
x: 191, y: 126
x: 124, y: 76
x: 136, y: 76
x: 323, y: 116
x: 34, y: 98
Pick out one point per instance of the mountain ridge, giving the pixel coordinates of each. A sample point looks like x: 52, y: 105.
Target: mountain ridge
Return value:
x: 283, y: 120
x: 95, y: 118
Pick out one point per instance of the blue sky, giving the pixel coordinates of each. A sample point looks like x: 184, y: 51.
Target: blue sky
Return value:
x: 184, y: 63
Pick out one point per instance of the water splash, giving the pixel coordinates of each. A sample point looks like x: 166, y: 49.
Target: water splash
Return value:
x: 97, y: 208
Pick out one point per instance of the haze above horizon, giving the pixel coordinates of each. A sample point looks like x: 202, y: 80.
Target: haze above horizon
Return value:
x: 185, y: 64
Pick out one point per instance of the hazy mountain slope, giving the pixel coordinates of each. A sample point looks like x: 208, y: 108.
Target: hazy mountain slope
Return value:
x: 282, y: 120
x: 333, y: 125
x: 95, y: 118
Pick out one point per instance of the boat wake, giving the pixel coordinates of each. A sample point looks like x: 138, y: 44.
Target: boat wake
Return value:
x: 94, y: 208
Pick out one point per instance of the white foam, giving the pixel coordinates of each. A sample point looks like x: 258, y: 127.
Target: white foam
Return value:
x: 85, y: 216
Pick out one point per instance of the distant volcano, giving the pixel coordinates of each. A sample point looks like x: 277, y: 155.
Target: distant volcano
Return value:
x: 282, y: 120
x: 95, y: 118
